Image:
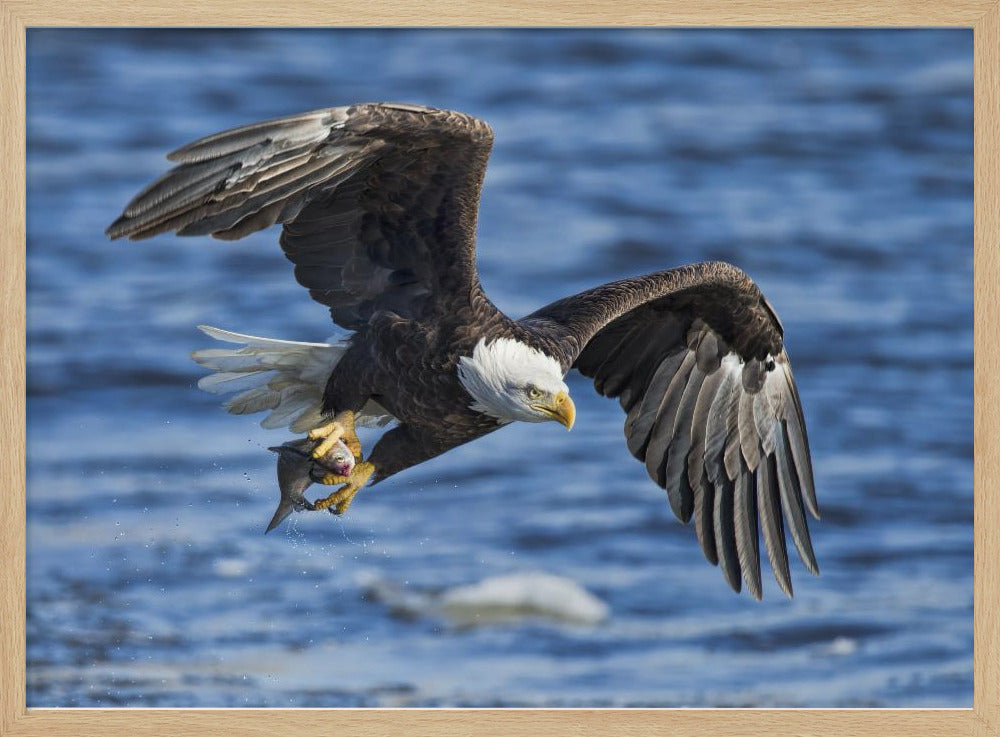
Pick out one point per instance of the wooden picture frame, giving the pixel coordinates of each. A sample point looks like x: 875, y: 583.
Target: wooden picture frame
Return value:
x: 983, y: 16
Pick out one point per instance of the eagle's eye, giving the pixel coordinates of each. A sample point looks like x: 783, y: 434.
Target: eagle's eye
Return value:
x: 534, y: 392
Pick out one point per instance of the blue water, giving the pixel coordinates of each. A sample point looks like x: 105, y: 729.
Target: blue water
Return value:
x: 835, y: 167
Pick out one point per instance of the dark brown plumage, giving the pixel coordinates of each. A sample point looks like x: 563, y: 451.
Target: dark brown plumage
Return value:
x: 378, y: 205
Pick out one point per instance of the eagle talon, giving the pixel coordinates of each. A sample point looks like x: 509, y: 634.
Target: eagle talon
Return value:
x: 330, y: 434
x: 339, y: 501
x: 342, y: 504
x: 340, y: 428
x: 353, y: 445
x: 323, y: 431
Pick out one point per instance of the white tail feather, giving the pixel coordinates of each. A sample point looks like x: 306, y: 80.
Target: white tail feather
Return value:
x: 284, y: 376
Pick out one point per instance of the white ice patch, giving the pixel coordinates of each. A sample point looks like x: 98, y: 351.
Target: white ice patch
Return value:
x: 523, y: 596
x: 231, y: 567
x: 840, y: 646
x: 507, y: 599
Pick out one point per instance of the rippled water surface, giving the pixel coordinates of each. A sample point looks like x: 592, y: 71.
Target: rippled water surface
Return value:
x: 835, y: 167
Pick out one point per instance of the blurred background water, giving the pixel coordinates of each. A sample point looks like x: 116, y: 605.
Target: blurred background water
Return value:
x: 834, y: 166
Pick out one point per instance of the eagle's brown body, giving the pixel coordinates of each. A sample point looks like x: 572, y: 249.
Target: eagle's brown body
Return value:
x: 409, y: 367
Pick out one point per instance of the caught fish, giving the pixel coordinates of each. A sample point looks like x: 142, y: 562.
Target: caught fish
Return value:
x: 297, y: 470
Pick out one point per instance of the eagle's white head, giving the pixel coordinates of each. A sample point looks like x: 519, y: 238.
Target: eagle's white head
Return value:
x: 513, y: 381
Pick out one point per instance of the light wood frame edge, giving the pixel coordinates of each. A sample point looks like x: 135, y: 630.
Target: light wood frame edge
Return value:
x: 982, y: 721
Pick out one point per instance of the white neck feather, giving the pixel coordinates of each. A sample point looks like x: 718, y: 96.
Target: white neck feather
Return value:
x: 497, y: 372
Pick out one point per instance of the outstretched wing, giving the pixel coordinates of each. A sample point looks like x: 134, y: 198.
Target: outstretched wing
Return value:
x: 694, y: 356
x: 378, y: 202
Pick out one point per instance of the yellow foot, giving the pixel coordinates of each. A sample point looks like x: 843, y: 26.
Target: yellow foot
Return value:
x: 353, y: 445
x: 340, y: 428
x: 330, y: 434
x: 341, y: 499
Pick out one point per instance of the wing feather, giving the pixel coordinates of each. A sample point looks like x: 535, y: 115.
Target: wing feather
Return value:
x: 675, y: 462
x: 704, y: 526
x: 749, y: 441
x: 699, y: 426
x: 747, y: 540
x: 304, y: 127
x: 720, y: 422
x: 663, y: 428
x: 639, y: 428
x: 771, y: 524
x: 791, y: 503
x: 725, y: 536
x: 733, y: 456
x: 795, y: 435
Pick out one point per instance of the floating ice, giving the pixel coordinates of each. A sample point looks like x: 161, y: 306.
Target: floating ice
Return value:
x: 523, y: 595
x: 501, y: 599
x: 230, y: 567
x: 841, y: 646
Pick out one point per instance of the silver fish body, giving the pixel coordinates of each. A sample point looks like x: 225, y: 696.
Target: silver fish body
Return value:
x: 298, y: 470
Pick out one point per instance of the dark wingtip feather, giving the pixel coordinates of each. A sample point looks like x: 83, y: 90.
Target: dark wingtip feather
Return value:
x: 809, y: 495
x: 704, y: 503
x: 675, y: 465
x: 747, y: 534
x: 686, y: 496
x: 725, y: 537
x: 769, y: 510
x: 802, y: 465
x: 662, y: 430
x: 236, y: 139
x: 123, y: 227
x: 791, y: 503
x: 115, y: 230
x: 798, y: 438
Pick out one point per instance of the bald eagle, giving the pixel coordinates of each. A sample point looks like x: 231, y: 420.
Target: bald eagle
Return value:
x: 378, y: 206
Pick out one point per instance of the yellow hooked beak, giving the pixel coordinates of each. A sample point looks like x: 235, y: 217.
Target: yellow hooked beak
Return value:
x: 562, y: 410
